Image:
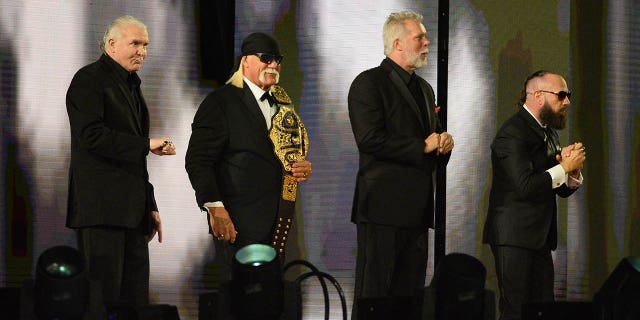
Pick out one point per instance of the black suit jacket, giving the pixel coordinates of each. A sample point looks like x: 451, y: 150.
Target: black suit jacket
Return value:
x: 394, y: 184
x: 230, y: 158
x: 108, y: 178
x: 522, y: 203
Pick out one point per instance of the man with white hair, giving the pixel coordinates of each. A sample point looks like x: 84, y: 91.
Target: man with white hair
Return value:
x: 111, y: 202
x: 401, y: 142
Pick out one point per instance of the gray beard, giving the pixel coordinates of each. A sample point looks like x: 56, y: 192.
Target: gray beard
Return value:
x: 415, y: 60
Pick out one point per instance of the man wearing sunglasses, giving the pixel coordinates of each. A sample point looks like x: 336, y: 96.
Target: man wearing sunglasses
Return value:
x: 231, y: 162
x: 529, y: 170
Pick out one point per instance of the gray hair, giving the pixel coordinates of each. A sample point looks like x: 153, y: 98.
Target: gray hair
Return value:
x: 114, y: 31
x: 394, y: 28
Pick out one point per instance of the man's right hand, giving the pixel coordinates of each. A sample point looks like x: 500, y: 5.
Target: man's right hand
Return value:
x: 431, y: 143
x: 221, y: 224
x: 162, y: 146
x: 572, y: 158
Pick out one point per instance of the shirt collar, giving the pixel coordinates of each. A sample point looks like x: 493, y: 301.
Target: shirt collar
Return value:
x: 120, y: 71
x: 257, y: 92
x: 534, y: 117
x: 404, y: 75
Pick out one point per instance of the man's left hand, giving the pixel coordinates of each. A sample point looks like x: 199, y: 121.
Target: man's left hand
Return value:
x: 445, y: 144
x: 301, y: 170
x: 157, y: 226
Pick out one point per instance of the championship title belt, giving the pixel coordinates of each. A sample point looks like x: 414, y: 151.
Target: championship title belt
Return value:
x: 291, y: 143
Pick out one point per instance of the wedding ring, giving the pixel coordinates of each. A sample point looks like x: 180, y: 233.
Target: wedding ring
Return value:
x: 582, y: 148
x: 304, y: 174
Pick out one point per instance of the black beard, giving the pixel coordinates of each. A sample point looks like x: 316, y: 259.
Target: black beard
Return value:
x: 555, y: 120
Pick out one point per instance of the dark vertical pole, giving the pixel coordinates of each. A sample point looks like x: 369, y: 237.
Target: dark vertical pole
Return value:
x: 216, y: 26
x: 441, y: 174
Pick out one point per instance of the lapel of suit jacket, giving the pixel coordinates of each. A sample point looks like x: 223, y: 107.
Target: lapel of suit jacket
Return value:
x: 404, y: 91
x: 257, y: 121
x: 132, y: 106
x: 431, y: 112
x: 124, y: 89
x: 144, y: 114
x: 533, y: 124
x: 253, y: 109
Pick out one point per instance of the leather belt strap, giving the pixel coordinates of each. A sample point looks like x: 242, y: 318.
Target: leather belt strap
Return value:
x: 286, y: 213
x: 290, y: 142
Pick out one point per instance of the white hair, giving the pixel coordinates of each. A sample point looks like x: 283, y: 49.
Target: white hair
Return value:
x: 114, y: 31
x: 394, y: 28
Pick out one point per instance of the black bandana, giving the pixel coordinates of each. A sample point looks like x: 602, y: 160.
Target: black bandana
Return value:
x: 259, y: 42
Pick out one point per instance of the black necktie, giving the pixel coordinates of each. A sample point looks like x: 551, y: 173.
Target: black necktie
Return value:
x: 269, y: 97
x: 551, y: 139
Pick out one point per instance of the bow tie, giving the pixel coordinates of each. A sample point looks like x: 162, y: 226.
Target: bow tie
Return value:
x: 268, y: 97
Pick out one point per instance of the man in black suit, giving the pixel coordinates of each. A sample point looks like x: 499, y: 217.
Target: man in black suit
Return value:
x: 394, y: 121
x: 231, y: 162
x: 111, y: 202
x: 529, y: 170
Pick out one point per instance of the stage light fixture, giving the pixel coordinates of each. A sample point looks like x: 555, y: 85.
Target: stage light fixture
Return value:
x: 256, y: 286
x: 619, y: 295
x: 61, y: 288
x: 458, y: 282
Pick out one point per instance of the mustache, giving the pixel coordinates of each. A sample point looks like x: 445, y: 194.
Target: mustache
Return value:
x: 273, y: 71
x: 270, y: 70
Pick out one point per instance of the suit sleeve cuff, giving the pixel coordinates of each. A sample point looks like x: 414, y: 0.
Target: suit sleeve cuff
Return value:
x: 558, y: 176
x: 215, y: 204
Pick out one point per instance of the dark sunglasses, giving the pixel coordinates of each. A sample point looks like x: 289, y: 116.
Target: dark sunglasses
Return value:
x: 267, y: 58
x: 561, y: 94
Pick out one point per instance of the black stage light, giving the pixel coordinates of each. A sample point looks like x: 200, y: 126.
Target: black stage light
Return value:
x: 619, y: 295
x: 61, y: 287
x: 145, y: 312
x: 256, y: 286
x: 458, y: 285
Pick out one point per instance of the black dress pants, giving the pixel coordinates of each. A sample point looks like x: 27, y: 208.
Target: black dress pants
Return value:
x: 119, y: 259
x: 524, y: 276
x: 391, y: 267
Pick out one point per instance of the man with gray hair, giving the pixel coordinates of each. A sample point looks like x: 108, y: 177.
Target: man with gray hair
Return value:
x: 396, y: 127
x: 111, y: 203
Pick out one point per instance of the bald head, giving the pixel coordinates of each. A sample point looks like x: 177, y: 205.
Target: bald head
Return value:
x: 547, y: 98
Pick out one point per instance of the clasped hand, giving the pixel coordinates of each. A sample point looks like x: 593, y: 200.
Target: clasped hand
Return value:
x: 442, y: 143
x: 572, y: 158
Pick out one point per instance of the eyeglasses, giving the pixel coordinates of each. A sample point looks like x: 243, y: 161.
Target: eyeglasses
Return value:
x: 267, y: 58
x: 561, y: 94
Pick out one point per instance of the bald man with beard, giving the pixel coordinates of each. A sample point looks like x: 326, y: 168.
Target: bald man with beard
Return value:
x: 529, y: 170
